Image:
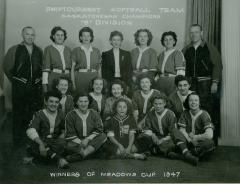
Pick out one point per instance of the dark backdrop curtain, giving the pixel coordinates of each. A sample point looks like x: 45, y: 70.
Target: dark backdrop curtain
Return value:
x: 207, y: 13
x: 2, y: 36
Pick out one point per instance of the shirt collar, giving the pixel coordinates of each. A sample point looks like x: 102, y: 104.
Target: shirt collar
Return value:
x: 202, y: 43
x: 87, y: 50
x: 142, y: 50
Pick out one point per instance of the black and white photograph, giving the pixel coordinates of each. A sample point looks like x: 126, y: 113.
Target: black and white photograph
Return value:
x: 119, y: 91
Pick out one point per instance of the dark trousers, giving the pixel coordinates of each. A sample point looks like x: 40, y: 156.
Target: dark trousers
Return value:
x: 55, y: 149
x: 199, y: 150
x: 209, y: 102
x: 26, y: 99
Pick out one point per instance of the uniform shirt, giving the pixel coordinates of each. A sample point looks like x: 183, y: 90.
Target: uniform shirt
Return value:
x: 171, y: 61
x: 80, y: 126
x: 139, y: 101
x: 120, y: 127
x: 176, y: 101
x: 44, y: 126
x: 161, y: 125
x: 147, y: 59
x: 82, y: 60
x: 66, y: 104
x: 53, y: 59
x: 196, y: 124
x: 98, y: 104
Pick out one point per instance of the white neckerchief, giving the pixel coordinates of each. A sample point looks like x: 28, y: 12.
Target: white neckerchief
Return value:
x: 60, y: 49
x: 98, y: 100
x: 83, y: 117
x: 146, y: 97
x: 88, y: 54
x: 51, y: 119
x: 194, y: 117
x: 183, y: 98
x: 116, y: 53
x: 63, y: 102
x: 140, y: 56
x: 159, y: 117
x: 166, y: 55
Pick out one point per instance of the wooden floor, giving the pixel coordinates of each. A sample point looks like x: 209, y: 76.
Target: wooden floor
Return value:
x: 222, y: 166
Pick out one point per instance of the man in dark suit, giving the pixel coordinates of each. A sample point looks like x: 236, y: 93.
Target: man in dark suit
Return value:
x: 116, y: 63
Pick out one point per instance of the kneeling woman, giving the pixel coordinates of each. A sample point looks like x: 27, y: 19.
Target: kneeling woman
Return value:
x: 84, y: 130
x: 121, y: 132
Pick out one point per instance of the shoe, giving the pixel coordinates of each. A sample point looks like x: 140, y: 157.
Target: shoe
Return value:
x: 74, y: 158
x: 191, y: 159
x: 173, y: 155
x: 63, y: 164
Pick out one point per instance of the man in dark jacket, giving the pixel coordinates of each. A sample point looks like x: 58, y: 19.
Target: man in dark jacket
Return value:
x: 204, y: 66
x: 23, y: 67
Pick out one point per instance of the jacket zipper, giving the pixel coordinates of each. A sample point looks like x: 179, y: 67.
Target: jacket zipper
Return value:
x: 194, y: 64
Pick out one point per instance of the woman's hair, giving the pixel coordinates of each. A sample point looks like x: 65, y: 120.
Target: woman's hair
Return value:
x: 129, y: 107
x: 116, y: 33
x: 169, y: 33
x: 119, y: 82
x: 57, y: 81
x: 52, y: 93
x: 150, y: 36
x: 77, y: 96
x: 180, y: 78
x: 161, y: 96
x: 86, y: 29
x: 143, y: 76
x: 55, y: 29
x: 186, y: 102
x: 104, y: 90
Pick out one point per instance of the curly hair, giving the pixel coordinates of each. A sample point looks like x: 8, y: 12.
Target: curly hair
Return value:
x: 143, y: 76
x: 86, y: 29
x: 55, y: 29
x: 161, y: 96
x: 150, y: 36
x: 116, y: 33
x: 104, y: 90
x: 52, y: 93
x: 180, y: 78
x: 169, y: 33
x: 77, y: 96
x: 129, y: 106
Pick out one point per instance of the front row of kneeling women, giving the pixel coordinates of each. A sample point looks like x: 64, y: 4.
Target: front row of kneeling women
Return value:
x: 82, y: 134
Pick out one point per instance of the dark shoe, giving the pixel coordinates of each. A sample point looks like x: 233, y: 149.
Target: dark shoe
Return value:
x: 191, y: 159
x: 74, y: 158
x: 173, y: 155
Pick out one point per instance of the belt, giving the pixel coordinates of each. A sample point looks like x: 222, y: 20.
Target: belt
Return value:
x: 167, y: 75
x: 86, y: 70
x: 55, y: 70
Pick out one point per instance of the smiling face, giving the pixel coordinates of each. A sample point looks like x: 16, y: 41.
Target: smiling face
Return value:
x: 195, y: 34
x: 86, y: 38
x: 83, y: 103
x: 183, y: 87
x: 122, y: 109
x: 194, y: 102
x: 117, y: 90
x: 59, y: 37
x: 62, y: 86
x: 145, y: 84
x: 52, y: 104
x: 159, y: 105
x: 28, y: 36
x: 169, y: 42
x: 98, y: 86
x: 143, y: 38
x: 116, y: 41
